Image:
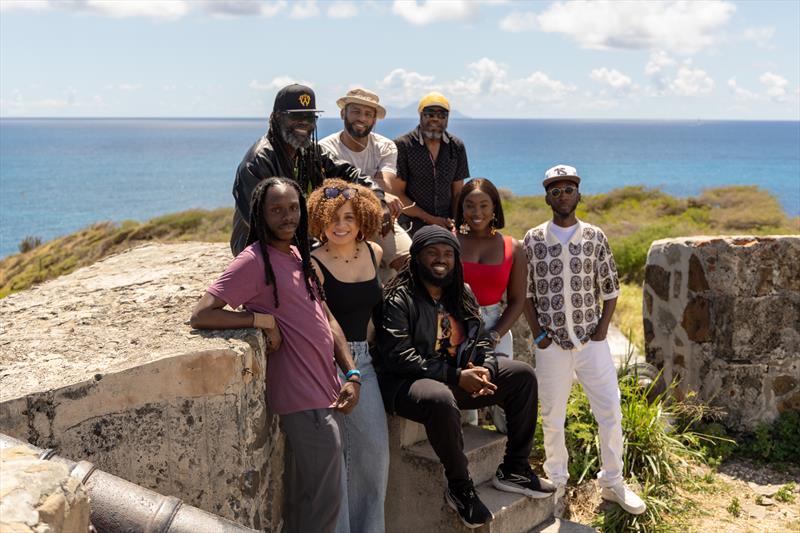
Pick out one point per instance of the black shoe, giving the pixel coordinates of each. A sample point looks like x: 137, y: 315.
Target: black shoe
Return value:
x: 469, y: 507
x: 523, y: 482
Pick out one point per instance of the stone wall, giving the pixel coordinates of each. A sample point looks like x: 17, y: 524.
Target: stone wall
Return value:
x: 721, y: 314
x: 103, y: 366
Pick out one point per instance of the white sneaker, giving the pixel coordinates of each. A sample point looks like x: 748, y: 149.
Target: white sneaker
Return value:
x: 625, y: 497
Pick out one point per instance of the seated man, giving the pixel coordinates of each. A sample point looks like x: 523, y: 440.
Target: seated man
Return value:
x: 433, y: 358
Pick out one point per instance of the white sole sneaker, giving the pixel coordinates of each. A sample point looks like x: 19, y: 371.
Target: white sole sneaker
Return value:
x: 611, y: 495
x: 507, y: 486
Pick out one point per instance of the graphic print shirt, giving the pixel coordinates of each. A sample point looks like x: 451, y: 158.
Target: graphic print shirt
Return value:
x: 449, y: 334
x: 567, y: 281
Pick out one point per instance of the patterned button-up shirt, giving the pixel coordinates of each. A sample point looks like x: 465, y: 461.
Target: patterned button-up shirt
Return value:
x: 428, y: 183
x: 567, y: 282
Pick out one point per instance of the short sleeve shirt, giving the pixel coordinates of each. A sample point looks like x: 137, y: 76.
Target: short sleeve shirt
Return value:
x: 380, y: 154
x: 429, y: 182
x: 302, y: 373
x: 567, y: 281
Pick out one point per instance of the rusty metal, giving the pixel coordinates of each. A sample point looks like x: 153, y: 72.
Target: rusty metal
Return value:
x: 119, y: 506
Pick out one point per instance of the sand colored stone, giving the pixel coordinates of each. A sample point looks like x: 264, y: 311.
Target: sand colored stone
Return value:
x: 39, y: 496
x: 102, y: 365
x: 729, y: 328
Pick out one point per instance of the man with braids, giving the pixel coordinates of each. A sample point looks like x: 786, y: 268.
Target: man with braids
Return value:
x: 275, y: 282
x: 290, y: 149
x: 434, y: 357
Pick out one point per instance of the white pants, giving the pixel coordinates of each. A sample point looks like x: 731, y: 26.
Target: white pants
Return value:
x: 595, y: 370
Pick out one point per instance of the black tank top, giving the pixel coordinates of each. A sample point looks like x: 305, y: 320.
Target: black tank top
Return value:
x: 352, y: 303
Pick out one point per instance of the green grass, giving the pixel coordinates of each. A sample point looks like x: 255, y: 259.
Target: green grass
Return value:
x: 632, y: 217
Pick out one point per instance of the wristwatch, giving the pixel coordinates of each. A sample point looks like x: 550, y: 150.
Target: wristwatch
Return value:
x: 494, y: 336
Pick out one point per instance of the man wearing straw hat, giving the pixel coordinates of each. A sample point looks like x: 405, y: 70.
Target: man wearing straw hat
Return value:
x: 431, y: 167
x: 376, y: 156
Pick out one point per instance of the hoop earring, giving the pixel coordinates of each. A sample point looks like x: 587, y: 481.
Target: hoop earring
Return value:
x: 463, y: 229
x: 492, y: 230
x: 323, y: 238
x: 360, y: 237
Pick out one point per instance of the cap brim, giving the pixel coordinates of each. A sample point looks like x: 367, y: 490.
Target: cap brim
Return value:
x: 302, y: 111
x: 574, y: 179
x: 380, y: 111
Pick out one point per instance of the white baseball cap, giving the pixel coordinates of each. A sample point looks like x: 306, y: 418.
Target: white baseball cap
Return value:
x: 561, y: 172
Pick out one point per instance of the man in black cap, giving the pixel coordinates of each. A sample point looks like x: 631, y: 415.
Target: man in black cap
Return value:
x: 289, y: 149
x: 433, y: 357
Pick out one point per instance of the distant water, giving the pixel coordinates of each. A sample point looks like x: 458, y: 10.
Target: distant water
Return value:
x: 57, y: 176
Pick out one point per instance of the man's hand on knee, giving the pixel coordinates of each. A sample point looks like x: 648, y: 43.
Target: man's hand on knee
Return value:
x: 475, y: 380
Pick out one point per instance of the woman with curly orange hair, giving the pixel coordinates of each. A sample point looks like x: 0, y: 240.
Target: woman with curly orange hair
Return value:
x: 342, y: 215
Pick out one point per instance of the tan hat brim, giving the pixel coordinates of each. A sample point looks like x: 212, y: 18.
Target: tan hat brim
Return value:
x: 380, y: 111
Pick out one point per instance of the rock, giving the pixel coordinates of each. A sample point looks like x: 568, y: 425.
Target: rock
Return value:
x: 721, y: 313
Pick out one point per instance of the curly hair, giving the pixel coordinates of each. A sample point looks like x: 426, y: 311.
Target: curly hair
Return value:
x: 322, y: 210
x: 485, y: 186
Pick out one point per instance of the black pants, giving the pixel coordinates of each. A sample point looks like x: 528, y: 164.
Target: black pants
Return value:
x: 438, y: 406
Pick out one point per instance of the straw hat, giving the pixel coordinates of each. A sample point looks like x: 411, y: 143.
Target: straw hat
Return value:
x: 363, y: 97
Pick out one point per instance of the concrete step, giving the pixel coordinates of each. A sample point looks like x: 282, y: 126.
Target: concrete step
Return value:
x: 484, y: 450
x: 513, y: 513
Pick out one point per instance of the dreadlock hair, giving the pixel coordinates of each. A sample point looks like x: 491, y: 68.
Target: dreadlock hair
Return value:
x: 458, y: 302
x: 260, y: 232
x: 309, y: 160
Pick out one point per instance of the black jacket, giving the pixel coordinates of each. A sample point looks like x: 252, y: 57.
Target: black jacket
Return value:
x: 406, y: 338
x: 261, y: 162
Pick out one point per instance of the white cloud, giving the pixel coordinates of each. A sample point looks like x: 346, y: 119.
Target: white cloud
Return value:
x: 680, y: 27
x: 741, y: 94
x: 164, y: 9
x: 304, y: 9
x: 342, y: 10
x: 237, y: 8
x: 23, y: 5
x: 420, y: 13
x: 277, y: 83
x: 540, y: 87
x: 403, y: 86
x: 761, y: 36
x: 775, y: 86
x: 130, y: 87
x: 657, y: 62
x: 519, y: 21
x: 611, y: 77
x: 690, y: 82
x: 486, y: 76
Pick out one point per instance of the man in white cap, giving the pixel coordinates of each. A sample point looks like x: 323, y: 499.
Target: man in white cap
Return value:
x: 431, y: 167
x: 570, y: 270
x: 376, y: 156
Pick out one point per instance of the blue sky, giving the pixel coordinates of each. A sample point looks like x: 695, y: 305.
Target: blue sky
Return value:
x: 570, y: 59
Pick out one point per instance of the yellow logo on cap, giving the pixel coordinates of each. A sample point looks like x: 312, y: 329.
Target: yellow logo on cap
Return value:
x: 305, y: 99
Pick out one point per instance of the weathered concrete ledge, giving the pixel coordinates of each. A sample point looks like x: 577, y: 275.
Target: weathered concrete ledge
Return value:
x: 722, y: 314
x: 102, y: 365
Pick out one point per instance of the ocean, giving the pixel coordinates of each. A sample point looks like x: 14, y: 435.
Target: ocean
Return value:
x: 59, y: 175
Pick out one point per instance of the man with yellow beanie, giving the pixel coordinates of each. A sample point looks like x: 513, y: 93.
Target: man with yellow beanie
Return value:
x: 431, y: 167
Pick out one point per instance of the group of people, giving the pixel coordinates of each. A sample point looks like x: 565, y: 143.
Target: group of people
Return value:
x: 383, y: 258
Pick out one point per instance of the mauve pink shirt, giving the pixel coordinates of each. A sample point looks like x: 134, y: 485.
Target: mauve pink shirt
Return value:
x: 301, y: 374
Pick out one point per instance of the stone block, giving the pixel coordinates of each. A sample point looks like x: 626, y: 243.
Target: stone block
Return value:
x: 111, y: 372
x: 722, y: 314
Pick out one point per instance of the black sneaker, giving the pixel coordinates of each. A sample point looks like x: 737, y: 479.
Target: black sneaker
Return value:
x: 524, y: 482
x: 469, y: 507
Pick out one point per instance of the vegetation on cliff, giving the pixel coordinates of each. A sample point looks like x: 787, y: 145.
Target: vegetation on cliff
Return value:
x: 631, y: 216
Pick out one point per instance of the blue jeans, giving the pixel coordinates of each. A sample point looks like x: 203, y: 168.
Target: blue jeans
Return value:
x: 365, y: 441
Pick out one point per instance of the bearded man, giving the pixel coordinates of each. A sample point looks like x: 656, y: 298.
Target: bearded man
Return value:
x: 289, y: 149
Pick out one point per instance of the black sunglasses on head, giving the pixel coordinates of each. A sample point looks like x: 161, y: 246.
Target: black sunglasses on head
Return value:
x: 333, y: 192
x: 569, y: 190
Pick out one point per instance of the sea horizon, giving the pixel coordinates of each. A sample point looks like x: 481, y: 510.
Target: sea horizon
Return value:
x: 58, y: 175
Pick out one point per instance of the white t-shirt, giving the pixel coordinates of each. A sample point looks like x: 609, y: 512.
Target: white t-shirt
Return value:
x: 563, y: 234
x: 379, y: 155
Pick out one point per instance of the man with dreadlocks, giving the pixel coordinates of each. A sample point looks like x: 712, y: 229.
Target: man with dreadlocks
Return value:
x: 290, y: 149
x: 275, y: 282
x: 434, y: 357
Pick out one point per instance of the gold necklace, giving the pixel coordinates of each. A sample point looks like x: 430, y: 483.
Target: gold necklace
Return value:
x: 355, y: 255
x: 363, y: 146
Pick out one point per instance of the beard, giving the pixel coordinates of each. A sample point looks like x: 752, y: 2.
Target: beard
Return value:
x: 293, y: 140
x: 350, y: 129
x: 432, y: 135
x: 429, y: 277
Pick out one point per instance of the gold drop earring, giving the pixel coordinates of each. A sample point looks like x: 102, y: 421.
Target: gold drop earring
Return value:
x: 463, y: 229
x: 492, y: 229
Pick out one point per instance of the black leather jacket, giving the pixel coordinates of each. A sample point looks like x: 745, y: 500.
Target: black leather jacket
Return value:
x: 261, y: 162
x: 405, y: 343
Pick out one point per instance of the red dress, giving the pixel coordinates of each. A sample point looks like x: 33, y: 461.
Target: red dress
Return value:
x: 489, y: 282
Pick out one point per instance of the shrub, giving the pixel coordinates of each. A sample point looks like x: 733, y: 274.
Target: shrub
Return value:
x: 29, y: 243
x: 776, y: 442
x: 786, y: 493
x: 734, y: 508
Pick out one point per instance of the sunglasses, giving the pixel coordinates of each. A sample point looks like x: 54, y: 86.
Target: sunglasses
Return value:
x: 332, y: 192
x: 555, y: 192
x: 301, y: 116
x: 435, y: 114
